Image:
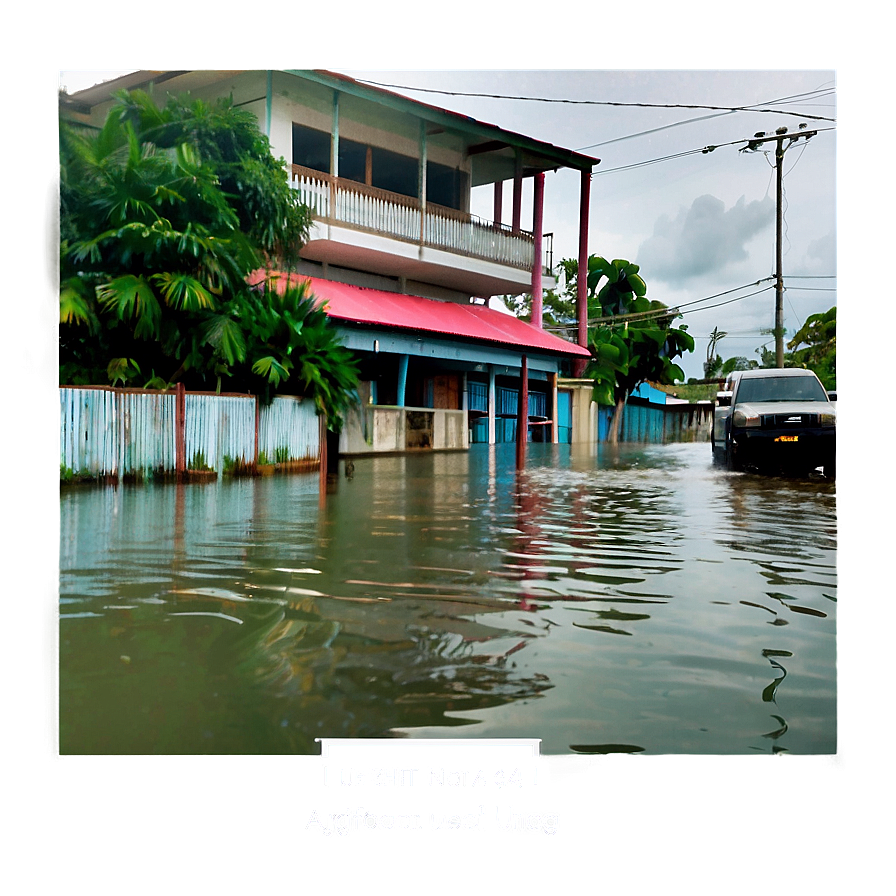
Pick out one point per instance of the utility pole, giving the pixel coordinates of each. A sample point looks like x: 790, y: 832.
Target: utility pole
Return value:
x: 780, y: 135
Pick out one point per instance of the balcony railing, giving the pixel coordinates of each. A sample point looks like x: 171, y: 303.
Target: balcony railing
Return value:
x: 356, y: 205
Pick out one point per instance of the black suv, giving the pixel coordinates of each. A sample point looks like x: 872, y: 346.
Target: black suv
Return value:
x: 775, y: 420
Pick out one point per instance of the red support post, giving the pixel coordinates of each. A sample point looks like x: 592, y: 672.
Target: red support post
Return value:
x: 538, y: 235
x: 180, y: 432
x: 322, y: 500
x: 499, y: 201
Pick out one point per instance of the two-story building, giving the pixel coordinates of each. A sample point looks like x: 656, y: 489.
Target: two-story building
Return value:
x: 405, y: 269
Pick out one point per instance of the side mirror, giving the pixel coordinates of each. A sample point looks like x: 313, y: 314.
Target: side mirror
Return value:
x: 724, y: 399
x: 832, y: 396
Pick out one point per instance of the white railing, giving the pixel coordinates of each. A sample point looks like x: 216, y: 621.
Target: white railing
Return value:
x: 360, y: 206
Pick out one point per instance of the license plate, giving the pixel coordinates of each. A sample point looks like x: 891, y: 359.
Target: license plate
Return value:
x: 787, y: 439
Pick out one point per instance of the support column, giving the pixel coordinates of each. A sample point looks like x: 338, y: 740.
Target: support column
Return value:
x: 555, y: 414
x: 492, y: 402
x: 499, y: 201
x: 180, y: 431
x: 324, y: 461
x: 538, y: 236
x: 522, y: 415
x: 582, y: 287
x: 334, y: 162
x: 402, y: 379
x: 517, y: 191
x: 421, y: 182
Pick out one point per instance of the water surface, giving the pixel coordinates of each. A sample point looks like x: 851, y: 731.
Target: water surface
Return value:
x: 630, y: 600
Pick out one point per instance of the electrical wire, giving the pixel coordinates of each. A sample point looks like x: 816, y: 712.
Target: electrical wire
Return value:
x: 541, y: 99
x: 705, y: 150
x: 659, y: 313
x: 676, y: 124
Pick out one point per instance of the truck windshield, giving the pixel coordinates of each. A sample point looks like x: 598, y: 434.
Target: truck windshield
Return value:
x: 781, y: 388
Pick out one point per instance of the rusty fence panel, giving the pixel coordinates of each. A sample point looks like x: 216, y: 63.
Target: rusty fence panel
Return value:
x: 219, y: 429
x: 288, y: 431
x: 146, y: 439
x: 116, y: 432
x: 108, y: 432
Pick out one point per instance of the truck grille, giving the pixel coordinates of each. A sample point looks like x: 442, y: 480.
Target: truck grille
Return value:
x: 783, y: 421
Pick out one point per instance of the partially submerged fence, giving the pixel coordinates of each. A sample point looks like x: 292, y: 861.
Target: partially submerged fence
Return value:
x: 657, y: 424
x: 113, y: 433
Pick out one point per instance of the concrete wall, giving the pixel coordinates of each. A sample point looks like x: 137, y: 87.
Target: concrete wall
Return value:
x: 376, y: 429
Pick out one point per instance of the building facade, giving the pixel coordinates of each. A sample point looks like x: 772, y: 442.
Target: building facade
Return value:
x: 406, y: 271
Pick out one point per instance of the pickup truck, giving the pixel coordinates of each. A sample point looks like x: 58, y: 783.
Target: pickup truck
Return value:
x: 775, y: 420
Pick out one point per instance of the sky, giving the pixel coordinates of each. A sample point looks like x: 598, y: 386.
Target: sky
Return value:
x: 700, y: 225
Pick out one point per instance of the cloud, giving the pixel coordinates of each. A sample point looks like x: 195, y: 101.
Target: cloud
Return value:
x: 703, y: 238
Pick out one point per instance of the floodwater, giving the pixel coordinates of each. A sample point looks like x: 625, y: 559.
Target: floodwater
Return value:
x: 630, y: 600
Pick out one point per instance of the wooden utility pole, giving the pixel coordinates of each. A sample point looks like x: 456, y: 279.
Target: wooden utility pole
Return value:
x: 779, y: 137
x: 779, y: 255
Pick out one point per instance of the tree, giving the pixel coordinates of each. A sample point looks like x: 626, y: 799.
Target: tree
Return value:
x: 558, y: 306
x: 713, y: 363
x: 819, y: 335
x: 641, y: 346
x: 163, y: 215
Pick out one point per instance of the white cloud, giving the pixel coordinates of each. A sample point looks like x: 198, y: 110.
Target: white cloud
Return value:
x: 703, y: 238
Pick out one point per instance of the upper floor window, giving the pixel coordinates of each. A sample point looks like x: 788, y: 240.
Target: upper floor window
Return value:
x: 377, y: 167
x: 310, y: 148
x: 444, y: 185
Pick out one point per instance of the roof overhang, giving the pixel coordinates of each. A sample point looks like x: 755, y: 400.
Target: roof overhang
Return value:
x: 493, y: 146
x: 356, y: 305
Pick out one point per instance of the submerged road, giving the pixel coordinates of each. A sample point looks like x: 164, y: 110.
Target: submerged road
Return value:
x: 630, y: 600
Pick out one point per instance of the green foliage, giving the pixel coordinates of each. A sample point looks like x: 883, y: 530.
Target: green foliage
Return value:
x: 642, y: 345
x: 164, y: 213
x: 199, y: 462
x: 737, y: 363
x: 819, y: 335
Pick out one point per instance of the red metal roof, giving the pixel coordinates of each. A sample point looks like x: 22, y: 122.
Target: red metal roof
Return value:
x: 374, y: 307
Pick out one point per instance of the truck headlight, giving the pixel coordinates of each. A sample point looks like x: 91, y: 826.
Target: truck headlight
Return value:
x: 827, y: 419
x: 745, y: 418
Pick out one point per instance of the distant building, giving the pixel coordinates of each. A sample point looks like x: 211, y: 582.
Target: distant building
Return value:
x: 406, y: 271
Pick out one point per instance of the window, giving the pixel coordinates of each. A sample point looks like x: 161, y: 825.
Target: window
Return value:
x: 353, y: 160
x: 394, y: 172
x: 443, y: 185
x: 310, y: 148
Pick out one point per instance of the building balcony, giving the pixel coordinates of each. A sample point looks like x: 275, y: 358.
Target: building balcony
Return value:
x: 357, y: 225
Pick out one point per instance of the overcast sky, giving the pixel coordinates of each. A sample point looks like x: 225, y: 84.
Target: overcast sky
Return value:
x: 699, y: 224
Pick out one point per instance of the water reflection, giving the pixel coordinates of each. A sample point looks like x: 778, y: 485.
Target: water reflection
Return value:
x: 614, y: 599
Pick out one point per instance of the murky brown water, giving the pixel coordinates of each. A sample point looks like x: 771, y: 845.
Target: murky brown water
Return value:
x: 638, y: 600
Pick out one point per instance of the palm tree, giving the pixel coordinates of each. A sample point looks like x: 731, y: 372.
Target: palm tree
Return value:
x: 155, y: 255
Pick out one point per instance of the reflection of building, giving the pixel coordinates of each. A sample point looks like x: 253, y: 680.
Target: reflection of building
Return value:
x: 405, y: 268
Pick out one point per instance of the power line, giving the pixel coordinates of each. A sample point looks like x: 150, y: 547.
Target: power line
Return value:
x: 676, y: 124
x: 542, y: 99
x: 705, y: 150
x: 659, y: 313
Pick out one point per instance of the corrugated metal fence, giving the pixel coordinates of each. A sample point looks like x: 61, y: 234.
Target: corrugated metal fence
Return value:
x: 657, y: 424
x: 107, y: 432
